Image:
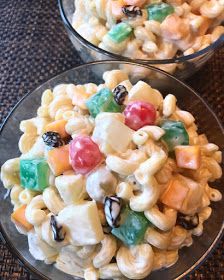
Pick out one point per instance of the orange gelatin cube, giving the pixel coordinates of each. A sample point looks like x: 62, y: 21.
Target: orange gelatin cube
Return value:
x: 188, y: 157
x: 19, y: 217
x: 116, y: 8
x: 175, y: 194
x: 59, y: 127
x: 58, y: 160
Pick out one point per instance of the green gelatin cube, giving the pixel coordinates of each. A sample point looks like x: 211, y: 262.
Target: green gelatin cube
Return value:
x: 34, y: 174
x: 132, y: 230
x: 160, y: 11
x: 175, y: 134
x: 103, y: 101
x: 120, y: 32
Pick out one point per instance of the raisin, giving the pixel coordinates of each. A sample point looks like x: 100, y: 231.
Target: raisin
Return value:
x: 107, y: 229
x: 52, y: 139
x: 131, y: 11
x: 58, y: 233
x: 120, y: 93
x: 187, y: 222
x: 67, y: 140
x: 112, y: 210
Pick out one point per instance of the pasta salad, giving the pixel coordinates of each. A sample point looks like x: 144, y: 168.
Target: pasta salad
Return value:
x: 150, y: 29
x: 113, y: 179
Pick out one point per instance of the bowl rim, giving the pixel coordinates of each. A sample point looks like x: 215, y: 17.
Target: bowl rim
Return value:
x: 3, y: 234
x: 184, y: 58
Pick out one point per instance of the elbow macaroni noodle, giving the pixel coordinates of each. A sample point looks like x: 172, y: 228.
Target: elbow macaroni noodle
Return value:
x: 163, y: 258
x: 14, y: 195
x: 160, y: 240
x: 10, y: 173
x: 162, y: 220
x: 140, y: 175
x: 106, y: 253
x: 35, y: 214
x: 26, y: 196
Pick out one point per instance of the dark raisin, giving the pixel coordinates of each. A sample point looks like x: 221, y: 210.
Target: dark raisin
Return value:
x: 179, y: 53
x: 52, y: 139
x: 131, y: 11
x: 120, y: 92
x: 107, y: 229
x: 112, y: 210
x: 67, y: 140
x: 58, y: 233
x: 187, y: 222
x: 113, y: 260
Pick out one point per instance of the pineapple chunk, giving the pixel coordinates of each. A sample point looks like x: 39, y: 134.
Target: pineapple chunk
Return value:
x: 144, y: 92
x: 82, y: 223
x: 112, y: 134
x: 69, y: 262
x: 188, y: 157
x: 39, y: 249
x: 71, y: 187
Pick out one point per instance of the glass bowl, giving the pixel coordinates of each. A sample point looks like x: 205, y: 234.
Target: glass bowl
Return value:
x: 186, y: 65
x: 190, y: 257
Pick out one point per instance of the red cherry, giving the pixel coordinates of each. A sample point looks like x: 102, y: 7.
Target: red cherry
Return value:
x: 84, y: 154
x: 139, y: 113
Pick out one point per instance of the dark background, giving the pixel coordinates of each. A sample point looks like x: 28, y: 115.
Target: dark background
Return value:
x: 33, y: 48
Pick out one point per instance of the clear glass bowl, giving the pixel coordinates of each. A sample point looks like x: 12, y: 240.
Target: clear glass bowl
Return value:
x: 188, y: 100
x: 186, y: 65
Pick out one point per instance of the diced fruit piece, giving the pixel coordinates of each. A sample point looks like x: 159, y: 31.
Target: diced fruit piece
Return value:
x: 193, y: 201
x: 59, y: 127
x: 39, y: 249
x: 58, y: 160
x: 175, y: 134
x: 120, y: 32
x: 176, y: 28
x: 188, y: 156
x: 52, y: 139
x: 103, y: 101
x: 184, y: 195
x: 159, y: 11
x: 84, y: 154
x: 139, y: 113
x: 82, y: 222
x: 142, y: 91
x: 100, y: 183
x: 116, y: 9
x: 72, y: 266
x: 71, y: 187
x: 34, y: 174
x: 133, y: 228
x: 107, y: 133
x: 19, y: 217
x: 175, y: 194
